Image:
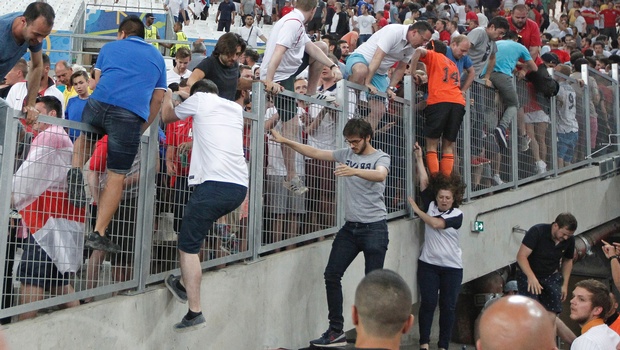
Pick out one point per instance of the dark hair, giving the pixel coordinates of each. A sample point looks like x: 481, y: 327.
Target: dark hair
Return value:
x: 46, y: 60
x: 567, y: 221
x: 38, y: 9
x: 252, y: 54
x: 499, y: 22
x: 598, y: 42
x: 51, y: 104
x: 174, y: 87
x: 80, y: 73
x: 22, y: 65
x: 227, y: 44
x: 183, y: 82
x: 511, y: 35
x: 204, y: 85
x: 600, y: 295
x: 437, y: 46
x: 546, y: 35
x: 588, y: 52
x: 421, y: 27
x: 357, y: 127
x: 452, y: 183
x: 182, y: 52
x: 132, y: 26
x: 383, y: 302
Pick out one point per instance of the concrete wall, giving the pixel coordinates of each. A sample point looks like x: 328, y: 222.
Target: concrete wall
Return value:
x: 279, y: 301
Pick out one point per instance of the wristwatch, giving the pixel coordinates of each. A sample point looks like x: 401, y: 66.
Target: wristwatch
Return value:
x: 393, y: 88
x: 617, y: 257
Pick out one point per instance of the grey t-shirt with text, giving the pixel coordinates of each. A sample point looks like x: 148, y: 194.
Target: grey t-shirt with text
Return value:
x: 364, y: 200
x: 481, y: 48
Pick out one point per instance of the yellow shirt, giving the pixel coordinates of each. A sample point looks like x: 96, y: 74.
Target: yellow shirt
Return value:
x: 180, y: 37
x: 151, y: 33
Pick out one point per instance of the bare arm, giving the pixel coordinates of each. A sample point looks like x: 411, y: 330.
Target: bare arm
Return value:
x: 167, y: 109
x: 471, y: 75
x: 436, y: 223
x: 315, y: 52
x: 156, y: 101
x: 420, y: 169
x: 196, y: 75
x: 34, y: 83
x: 372, y: 68
x: 534, y: 51
x: 263, y: 38
x: 274, y: 62
x: 567, y: 267
x: 305, y: 150
x: 398, y: 73
x: 611, y: 251
x: 533, y: 286
x: 311, y: 128
x: 419, y: 53
x: 531, y: 66
x: 375, y: 175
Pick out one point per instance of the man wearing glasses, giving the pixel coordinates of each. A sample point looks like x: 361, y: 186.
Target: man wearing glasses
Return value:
x: 364, y: 170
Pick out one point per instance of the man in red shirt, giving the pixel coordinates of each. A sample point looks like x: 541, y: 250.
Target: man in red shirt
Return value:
x: 562, y: 54
x: 444, y: 35
x: 609, y: 21
x: 286, y: 8
x: 589, y: 13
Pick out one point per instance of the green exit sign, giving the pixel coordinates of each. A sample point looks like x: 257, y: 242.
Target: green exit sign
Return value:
x: 477, y: 226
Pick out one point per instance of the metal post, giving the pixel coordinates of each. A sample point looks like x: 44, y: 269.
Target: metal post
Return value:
x: 554, y: 133
x: 255, y: 209
x: 586, y: 103
x: 146, y: 203
x: 615, y: 84
x: 466, y: 127
x: 409, y: 125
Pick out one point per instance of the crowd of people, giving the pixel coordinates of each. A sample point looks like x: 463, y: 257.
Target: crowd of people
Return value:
x: 447, y: 49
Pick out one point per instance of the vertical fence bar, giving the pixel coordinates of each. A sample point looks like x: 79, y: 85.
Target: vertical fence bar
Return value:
x: 554, y: 135
x: 7, y: 156
x: 146, y: 203
x: 340, y: 122
x: 466, y: 127
x: 586, y: 103
x: 409, y: 125
x: 616, y: 88
x: 255, y: 207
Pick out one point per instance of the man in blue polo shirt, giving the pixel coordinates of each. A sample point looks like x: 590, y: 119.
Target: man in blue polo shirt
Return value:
x: 20, y: 32
x: 457, y: 53
x: 128, y: 97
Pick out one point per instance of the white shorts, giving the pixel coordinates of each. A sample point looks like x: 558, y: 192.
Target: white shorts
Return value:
x: 537, y: 117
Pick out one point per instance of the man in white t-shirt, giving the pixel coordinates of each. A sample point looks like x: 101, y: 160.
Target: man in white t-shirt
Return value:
x: 287, y: 54
x: 588, y: 307
x: 18, y: 93
x: 249, y: 32
x: 365, y: 24
x: 370, y: 62
x: 219, y: 175
x: 180, y: 71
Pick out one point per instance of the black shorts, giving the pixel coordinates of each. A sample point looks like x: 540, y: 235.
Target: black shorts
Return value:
x: 315, y: 24
x: 443, y: 118
x: 37, y: 269
x: 285, y: 105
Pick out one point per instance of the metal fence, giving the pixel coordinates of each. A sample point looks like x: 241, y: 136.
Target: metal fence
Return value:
x: 42, y: 255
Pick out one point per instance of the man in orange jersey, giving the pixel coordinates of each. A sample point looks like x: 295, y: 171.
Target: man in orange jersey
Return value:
x: 445, y: 105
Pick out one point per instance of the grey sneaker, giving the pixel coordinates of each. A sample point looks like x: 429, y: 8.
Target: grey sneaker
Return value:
x: 75, y: 187
x: 296, y: 186
x: 190, y: 325
x: 95, y: 241
x: 524, y: 143
x: 330, y: 339
x: 171, y: 284
x: 230, y: 244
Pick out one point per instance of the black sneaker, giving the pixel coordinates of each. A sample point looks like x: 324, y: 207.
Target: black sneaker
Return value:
x: 500, y: 137
x: 330, y: 339
x: 75, y: 188
x: 190, y: 325
x: 95, y: 241
x: 171, y: 283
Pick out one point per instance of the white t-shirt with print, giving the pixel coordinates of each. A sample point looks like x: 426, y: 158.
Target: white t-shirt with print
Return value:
x: 364, y: 23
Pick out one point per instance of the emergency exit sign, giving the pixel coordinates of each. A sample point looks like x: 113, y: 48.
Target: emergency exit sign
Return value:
x: 477, y: 226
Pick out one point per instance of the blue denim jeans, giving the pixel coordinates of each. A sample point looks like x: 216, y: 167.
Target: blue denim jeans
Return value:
x: 441, y: 284
x: 209, y: 201
x: 123, y: 128
x: 372, y: 240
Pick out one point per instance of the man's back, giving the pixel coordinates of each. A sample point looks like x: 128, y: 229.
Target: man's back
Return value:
x: 126, y: 80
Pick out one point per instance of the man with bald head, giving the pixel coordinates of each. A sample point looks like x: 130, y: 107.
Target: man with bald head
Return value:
x: 382, y: 310
x: 505, y: 322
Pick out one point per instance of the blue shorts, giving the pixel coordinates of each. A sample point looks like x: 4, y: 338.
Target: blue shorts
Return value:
x: 209, y: 201
x: 551, y: 296
x: 380, y: 81
x: 37, y: 269
x: 566, y: 145
x: 123, y: 129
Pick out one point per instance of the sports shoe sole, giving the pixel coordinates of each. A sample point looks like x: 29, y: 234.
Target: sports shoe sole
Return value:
x: 181, y: 328
x: 97, y: 245
x: 168, y: 282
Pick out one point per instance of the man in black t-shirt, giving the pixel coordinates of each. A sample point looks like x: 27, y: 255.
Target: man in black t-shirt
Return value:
x: 542, y: 277
x: 225, y: 15
x: 222, y: 67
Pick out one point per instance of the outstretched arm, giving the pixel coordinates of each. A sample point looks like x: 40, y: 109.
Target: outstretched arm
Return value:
x: 305, y: 150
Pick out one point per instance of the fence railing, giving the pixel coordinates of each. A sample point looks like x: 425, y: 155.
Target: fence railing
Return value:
x: 50, y: 267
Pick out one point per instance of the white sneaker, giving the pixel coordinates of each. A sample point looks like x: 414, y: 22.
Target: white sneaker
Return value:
x: 296, y: 186
x: 498, y: 180
x: 541, y: 167
x: 524, y: 143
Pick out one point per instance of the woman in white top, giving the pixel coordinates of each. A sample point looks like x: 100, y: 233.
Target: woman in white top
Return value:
x: 440, y: 268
